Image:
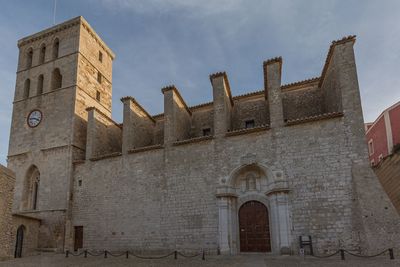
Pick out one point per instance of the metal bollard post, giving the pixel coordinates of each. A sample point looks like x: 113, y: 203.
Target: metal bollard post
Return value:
x: 127, y: 254
x: 342, y: 254
x: 391, y: 255
x: 105, y: 254
x: 204, y: 256
x: 67, y: 253
x: 175, y: 254
x: 85, y: 253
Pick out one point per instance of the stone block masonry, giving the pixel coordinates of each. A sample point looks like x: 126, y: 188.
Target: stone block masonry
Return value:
x: 10, y: 223
x: 196, y: 177
x: 7, y: 180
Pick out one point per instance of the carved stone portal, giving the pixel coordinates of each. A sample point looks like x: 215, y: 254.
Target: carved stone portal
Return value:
x: 254, y: 182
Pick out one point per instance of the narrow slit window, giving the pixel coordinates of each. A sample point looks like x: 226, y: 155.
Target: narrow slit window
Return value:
x: 206, y: 132
x: 27, y: 88
x: 42, y: 54
x: 100, y: 56
x: 99, y: 77
x: 98, y: 96
x: 29, y: 57
x: 40, y: 85
x: 35, y: 195
x: 249, y: 124
x: 56, y: 47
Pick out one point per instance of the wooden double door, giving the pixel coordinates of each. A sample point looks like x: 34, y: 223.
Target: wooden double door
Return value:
x: 254, y: 227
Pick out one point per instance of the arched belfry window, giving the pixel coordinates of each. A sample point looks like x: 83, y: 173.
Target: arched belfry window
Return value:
x: 31, y: 189
x: 42, y: 55
x: 56, y: 79
x: 29, y: 56
x: 27, y: 88
x: 39, y: 90
x: 56, y: 48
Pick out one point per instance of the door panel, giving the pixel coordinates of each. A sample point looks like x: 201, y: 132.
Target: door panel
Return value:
x: 254, y: 227
x: 78, y: 237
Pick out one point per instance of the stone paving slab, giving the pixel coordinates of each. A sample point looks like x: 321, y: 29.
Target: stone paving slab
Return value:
x: 248, y: 260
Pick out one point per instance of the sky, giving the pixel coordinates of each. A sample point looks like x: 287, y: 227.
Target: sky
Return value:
x: 182, y: 42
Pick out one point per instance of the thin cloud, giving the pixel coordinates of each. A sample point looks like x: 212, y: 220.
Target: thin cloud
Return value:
x: 204, y: 7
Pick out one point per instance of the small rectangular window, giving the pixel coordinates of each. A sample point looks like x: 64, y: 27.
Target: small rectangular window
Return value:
x: 380, y: 157
x: 99, y: 77
x: 98, y: 96
x: 249, y: 124
x: 100, y: 56
x: 206, y: 132
x: 372, y: 163
x: 371, y: 147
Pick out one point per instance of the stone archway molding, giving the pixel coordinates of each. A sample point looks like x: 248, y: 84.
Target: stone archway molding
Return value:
x: 272, y: 190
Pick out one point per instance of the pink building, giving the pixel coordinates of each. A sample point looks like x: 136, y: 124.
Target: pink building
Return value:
x: 383, y: 134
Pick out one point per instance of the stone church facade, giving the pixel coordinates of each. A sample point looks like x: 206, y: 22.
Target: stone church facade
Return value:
x: 241, y: 173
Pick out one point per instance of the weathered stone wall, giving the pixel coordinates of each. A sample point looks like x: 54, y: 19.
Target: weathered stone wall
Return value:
x: 138, y: 126
x: 202, y: 118
x: 375, y: 215
x: 56, y: 116
x: 60, y: 138
x: 46, y: 69
x: 303, y: 102
x: 332, y: 100
x: 159, y: 131
x: 69, y: 42
x: 88, y: 66
x: 171, y: 192
x: 222, y: 104
x: 388, y: 172
x: 183, y: 195
x: 7, y: 180
x: 89, y: 48
x: 9, y: 223
x: 52, y: 193
x: 177, y: 118
x: 31, y: 234
x: 104, y: 136
x: 87, y: 80
x: 250, y: 108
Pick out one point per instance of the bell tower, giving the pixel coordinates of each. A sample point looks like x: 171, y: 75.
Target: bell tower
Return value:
x: 61, y: 71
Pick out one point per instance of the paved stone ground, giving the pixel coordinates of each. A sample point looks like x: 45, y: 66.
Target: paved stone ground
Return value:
x: 247, y: 260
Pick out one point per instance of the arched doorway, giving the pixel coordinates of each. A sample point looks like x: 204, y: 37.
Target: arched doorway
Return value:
x: 254, y: 227
x: 19, y: 242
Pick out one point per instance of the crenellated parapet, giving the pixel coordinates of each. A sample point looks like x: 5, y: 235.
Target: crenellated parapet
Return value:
x: 276, y: 106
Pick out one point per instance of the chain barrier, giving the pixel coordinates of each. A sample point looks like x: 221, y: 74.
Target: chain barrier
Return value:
x: 127, y: 253
x: 189, y: 256
x: 202, y: 254
x: 343, y: 251
x: 326, y: 256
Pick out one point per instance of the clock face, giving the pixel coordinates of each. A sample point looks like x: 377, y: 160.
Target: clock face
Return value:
x: 34, y: 118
